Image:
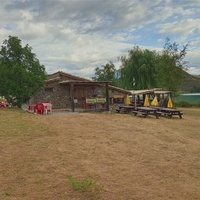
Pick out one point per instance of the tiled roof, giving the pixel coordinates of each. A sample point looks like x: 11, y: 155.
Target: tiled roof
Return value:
x: 56, y: 76
x: 69, y: 76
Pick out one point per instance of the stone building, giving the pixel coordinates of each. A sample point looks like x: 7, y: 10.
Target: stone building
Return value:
x: 64, y: 90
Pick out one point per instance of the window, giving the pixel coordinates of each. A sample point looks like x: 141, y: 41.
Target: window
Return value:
x: 118, y: 100
x: 48, y: 89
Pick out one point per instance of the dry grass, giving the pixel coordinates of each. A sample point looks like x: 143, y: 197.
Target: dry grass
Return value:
x: 126, y: 157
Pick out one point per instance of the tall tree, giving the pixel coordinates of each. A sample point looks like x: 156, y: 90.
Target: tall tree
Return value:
x: 170, y: 67
x: 21, y: 74
x: 106, y: 73
x: 138, y: 69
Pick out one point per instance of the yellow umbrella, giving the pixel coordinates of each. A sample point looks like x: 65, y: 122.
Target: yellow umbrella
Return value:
x: 127, y: 100
x: 155, y: 101
x: 169, y: 104
x: 146, y: 101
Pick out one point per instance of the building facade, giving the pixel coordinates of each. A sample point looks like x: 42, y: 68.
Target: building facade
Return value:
x: 64, y: 90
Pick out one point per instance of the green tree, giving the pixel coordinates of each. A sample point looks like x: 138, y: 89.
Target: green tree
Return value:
x: 21, y: 74
x: 106, y: 73
x: 170, y: 67
x: 138, y: 69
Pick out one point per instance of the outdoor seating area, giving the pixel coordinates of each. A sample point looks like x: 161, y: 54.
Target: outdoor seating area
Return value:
x: 125, y: 109
x: 145, y: 111
x: 149, y: 104
x: 168, y: 112
x: 41, y: 108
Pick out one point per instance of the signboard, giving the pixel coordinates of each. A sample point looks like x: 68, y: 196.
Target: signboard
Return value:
x: 101, y: 100
x: 92, y: 101
x: 97, y: 100
x: 118, y: 96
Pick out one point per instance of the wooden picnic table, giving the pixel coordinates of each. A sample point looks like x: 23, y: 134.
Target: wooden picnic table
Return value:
x: 145, y: 111
x: 169, y: 111
x: 124, y: 109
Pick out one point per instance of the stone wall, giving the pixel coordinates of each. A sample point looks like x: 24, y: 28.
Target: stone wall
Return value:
x: 58, y: 96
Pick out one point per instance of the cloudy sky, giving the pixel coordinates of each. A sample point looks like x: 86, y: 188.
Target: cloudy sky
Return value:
x: 76, y: 36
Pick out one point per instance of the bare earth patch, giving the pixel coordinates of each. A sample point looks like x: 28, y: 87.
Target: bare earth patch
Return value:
x: 126, y: 157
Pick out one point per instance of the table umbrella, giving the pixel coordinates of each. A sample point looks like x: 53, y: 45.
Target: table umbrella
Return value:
x: 155, y: 101
x: 128, y: 102
x: 146, y: 101
x: 170, y: 104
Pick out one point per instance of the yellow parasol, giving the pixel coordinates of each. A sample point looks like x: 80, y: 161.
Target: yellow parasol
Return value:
x: 146, y: 101
x: 169, y: 104
x: 155, y: 101
x: 127, y: 100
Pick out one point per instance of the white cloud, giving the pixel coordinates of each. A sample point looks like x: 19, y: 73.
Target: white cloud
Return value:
x: 26, y: 15
x: 181, y: 27
x: 4, y: 31
x: 193, y: 71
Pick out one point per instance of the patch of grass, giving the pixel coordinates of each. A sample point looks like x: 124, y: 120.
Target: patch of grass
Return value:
x: 86, y: 186
x: 80, y: 185
x: 75, y: 184
x: 7, y: 194
x: 20, y: 124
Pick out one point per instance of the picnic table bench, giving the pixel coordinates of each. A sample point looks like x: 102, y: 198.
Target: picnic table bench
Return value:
x: 124, y: 109
x: 168, y: 111
x: 145, y: 111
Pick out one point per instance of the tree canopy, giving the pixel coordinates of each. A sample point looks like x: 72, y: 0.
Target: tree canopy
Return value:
x: 106, y: 73
x: 138, y: 69
x: 21, y: 74
x: 144, y: 68
x: 170, y: 66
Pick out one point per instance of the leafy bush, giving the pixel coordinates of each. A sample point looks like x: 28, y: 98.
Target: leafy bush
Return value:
x: 1, y: 99
x: 184, y: 104
x: 197, y: 104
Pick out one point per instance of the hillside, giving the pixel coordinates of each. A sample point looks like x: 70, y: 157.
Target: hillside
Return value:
x: 191, y: 83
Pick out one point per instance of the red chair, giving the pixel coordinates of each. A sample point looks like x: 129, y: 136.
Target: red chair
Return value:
x: 6, y: 103
x: 31, y: 107
x: 84, y: 104
x: 39, y: 108
x: 47, y: 108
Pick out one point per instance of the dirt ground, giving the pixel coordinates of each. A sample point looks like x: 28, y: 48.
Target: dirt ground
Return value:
x: 124, y: 157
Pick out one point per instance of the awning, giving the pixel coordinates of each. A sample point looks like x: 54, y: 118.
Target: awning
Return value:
x: 149, y: 91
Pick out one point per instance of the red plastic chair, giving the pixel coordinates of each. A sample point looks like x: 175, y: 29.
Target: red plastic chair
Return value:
x: 39, y: 108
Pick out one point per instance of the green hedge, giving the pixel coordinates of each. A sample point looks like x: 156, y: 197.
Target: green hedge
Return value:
x: 1, y: 99
x: 186, y: 104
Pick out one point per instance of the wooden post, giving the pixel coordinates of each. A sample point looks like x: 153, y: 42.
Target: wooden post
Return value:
x: 107, y: 98
x: 135, y: 101
x: 72, y: 96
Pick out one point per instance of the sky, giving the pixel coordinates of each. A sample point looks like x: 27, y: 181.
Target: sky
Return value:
x: 76, y: 36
